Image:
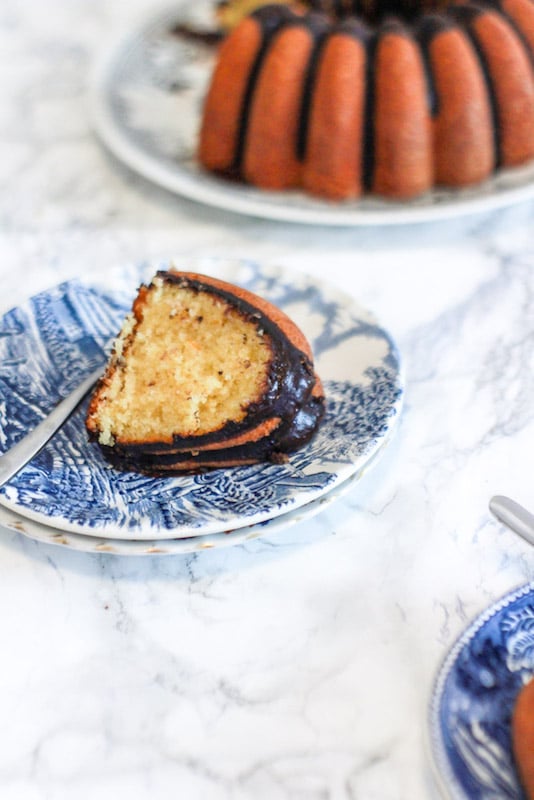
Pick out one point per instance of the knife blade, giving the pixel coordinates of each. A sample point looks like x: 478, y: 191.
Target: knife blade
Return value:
x: 17, y: 456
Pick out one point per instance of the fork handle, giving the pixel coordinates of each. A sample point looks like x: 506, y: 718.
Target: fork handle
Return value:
x: 514, y: 515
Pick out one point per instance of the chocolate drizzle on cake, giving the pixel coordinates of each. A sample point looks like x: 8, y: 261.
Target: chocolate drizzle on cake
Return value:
x: 259, y: 417
x: 442, y: 95
x: 430, y: 26
x: 466, y: 16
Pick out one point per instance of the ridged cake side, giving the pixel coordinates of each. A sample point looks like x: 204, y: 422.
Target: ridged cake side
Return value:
x: 393, y: 107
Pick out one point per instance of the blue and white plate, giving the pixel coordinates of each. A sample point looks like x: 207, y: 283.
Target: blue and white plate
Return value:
x: 146, y: 105
x: 47, y: 534
x: 49, y: 344
x: 473, y: 699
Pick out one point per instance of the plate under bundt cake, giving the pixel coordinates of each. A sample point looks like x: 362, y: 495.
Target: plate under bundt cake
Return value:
x: 204, y: 374
x: 386, y: 97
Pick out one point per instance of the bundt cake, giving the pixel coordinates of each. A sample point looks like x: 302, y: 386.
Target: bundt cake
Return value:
x: 204, y: 374
x: 388, y: 97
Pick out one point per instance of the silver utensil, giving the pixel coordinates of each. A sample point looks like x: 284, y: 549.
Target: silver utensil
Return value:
x: 19, y: 455
x: 514, y: 516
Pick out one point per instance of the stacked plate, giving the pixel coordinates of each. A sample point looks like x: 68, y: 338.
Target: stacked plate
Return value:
x: 69, y: 495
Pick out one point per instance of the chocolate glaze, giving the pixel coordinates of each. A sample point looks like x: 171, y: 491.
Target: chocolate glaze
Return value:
x: 388, y: 26
x: 339, y: 9
x: 272, y: 19
x: 350, y: 26
x: 349, y: 17
x: 368, y: 147
x: 201, y: 36
x: 355, y: 27
x: 289, y: 397
x: 291, y: 436
x: 374, y: 11
x: 430, y: 26
x: 320, y: 37
x: 322, y: 25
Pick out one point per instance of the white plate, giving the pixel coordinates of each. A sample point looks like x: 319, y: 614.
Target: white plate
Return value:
x: 473, y: 700
x: 146, y: 104
x: 166, y: 547
x: 50, y: 343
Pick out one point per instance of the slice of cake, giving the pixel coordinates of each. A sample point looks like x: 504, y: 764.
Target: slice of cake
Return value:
x: 204, y: 374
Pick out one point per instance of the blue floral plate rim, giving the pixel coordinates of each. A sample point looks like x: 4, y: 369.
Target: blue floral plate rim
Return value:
x: 69, y: 484
x: 494, y: 656
x: 49, y: 535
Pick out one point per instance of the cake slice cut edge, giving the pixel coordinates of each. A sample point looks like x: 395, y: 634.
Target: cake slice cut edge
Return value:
x: 204, y: 374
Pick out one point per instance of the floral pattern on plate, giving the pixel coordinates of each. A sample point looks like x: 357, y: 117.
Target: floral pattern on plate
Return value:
x: 48, y: 345
x: 47, y: 534
x: 473, y: 700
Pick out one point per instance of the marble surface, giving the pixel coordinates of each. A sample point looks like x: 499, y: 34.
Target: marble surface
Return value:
x: 296, y: 666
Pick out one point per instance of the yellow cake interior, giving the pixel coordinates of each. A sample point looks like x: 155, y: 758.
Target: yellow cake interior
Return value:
x: 189, y: 365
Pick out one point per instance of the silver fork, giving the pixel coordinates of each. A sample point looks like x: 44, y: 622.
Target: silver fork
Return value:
x: 19, y: 455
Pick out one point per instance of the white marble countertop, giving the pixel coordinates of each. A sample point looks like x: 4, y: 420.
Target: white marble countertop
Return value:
x: 297, y: 666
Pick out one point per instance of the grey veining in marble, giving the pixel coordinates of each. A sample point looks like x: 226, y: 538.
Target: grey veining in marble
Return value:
x: 298, y: 666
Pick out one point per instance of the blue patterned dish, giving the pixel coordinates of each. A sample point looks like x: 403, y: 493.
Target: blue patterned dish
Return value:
x: 84, y: 543
x: 473, y: 699
x: 48, y: 345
